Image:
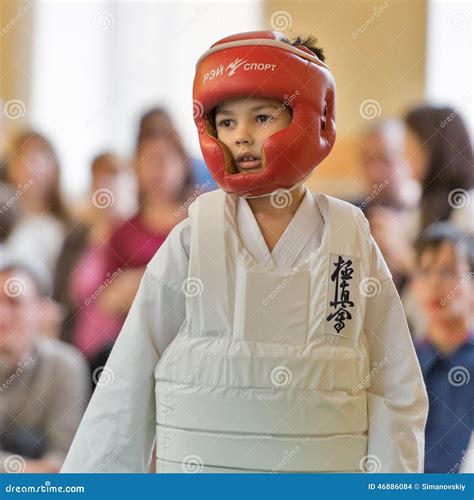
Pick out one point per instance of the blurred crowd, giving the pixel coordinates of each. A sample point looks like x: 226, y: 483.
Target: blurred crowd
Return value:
x: 69, y: 273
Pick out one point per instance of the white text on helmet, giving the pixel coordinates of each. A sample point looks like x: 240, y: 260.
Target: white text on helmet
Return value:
x: 231, y: 68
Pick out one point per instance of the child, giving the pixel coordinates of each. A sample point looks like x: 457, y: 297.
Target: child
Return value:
x: 444, y: 288
x: 266, y: 334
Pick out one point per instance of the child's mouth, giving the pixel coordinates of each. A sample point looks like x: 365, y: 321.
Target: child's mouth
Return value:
x: 248, y: 163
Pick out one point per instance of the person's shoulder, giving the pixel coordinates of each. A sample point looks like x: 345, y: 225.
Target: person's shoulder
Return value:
x: 55, y: 351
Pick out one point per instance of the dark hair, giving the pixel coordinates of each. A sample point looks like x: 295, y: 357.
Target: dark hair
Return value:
x: 443, y: 134
x: 148, y: 126
x: 149, y: 129
x: 310, y: 42
x: 55, y: 203
x: 114, y: 163
x: 442, y: 232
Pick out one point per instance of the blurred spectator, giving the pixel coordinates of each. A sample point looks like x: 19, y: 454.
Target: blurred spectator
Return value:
x: 50, y: 313
x: 33, y: 171
x: 8, y: 216
x: 444, y: 289
x: 80, y: 271
x: 388, y: 227
x: 439, y: 152
x: 392, y: 195
x: 164, y: 180
x: 44, y: 386
x: 157, y: 122
x: 384, y: 166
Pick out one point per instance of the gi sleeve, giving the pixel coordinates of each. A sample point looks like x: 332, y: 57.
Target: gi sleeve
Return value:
x: 117, y: 432
x: 397, y: 399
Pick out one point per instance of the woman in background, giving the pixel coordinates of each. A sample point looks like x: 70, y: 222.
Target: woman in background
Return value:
x: 164, y: 180
x: 439, y: 153
x: 34, y: 172
x: 80, y: 270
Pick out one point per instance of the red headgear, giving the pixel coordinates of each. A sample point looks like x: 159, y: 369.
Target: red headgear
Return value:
x: 258, y: 63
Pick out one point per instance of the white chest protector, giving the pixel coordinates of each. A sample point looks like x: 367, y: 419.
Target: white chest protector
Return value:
x: 270, y: 369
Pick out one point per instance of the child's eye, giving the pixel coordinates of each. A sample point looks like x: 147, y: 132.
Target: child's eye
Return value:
x: 224, y: 123
x: 264, y: 118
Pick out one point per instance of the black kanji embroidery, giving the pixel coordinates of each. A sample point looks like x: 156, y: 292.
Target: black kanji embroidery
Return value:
x: 341, y: 275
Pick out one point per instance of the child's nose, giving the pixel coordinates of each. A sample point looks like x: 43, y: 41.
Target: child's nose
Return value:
x: 243, y: 137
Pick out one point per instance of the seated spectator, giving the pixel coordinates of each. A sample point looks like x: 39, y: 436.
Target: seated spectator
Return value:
x: 33, y: 171
x: 157, y: 122
x: 8, y: 216
x: 444, y: 289
x: 44, y: 383
x: 80, y: 271
x: 50, y: 312
x: 438, y: 151
x: 164, y: 182
x: 384, y: 167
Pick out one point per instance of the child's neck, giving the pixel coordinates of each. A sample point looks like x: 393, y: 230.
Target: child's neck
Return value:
x: 274, y: 213
x: 277, y: 205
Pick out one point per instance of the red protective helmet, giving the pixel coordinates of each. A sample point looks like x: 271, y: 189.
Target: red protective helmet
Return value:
x: 258, y: 63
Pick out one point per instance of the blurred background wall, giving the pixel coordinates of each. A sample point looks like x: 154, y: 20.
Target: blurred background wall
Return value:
x: 81, y: 72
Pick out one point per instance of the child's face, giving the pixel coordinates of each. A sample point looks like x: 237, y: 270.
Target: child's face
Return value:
x: 244, y: 124
x: 442, y: 283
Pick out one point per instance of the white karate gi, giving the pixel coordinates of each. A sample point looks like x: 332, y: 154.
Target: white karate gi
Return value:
x: 118, y: 430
